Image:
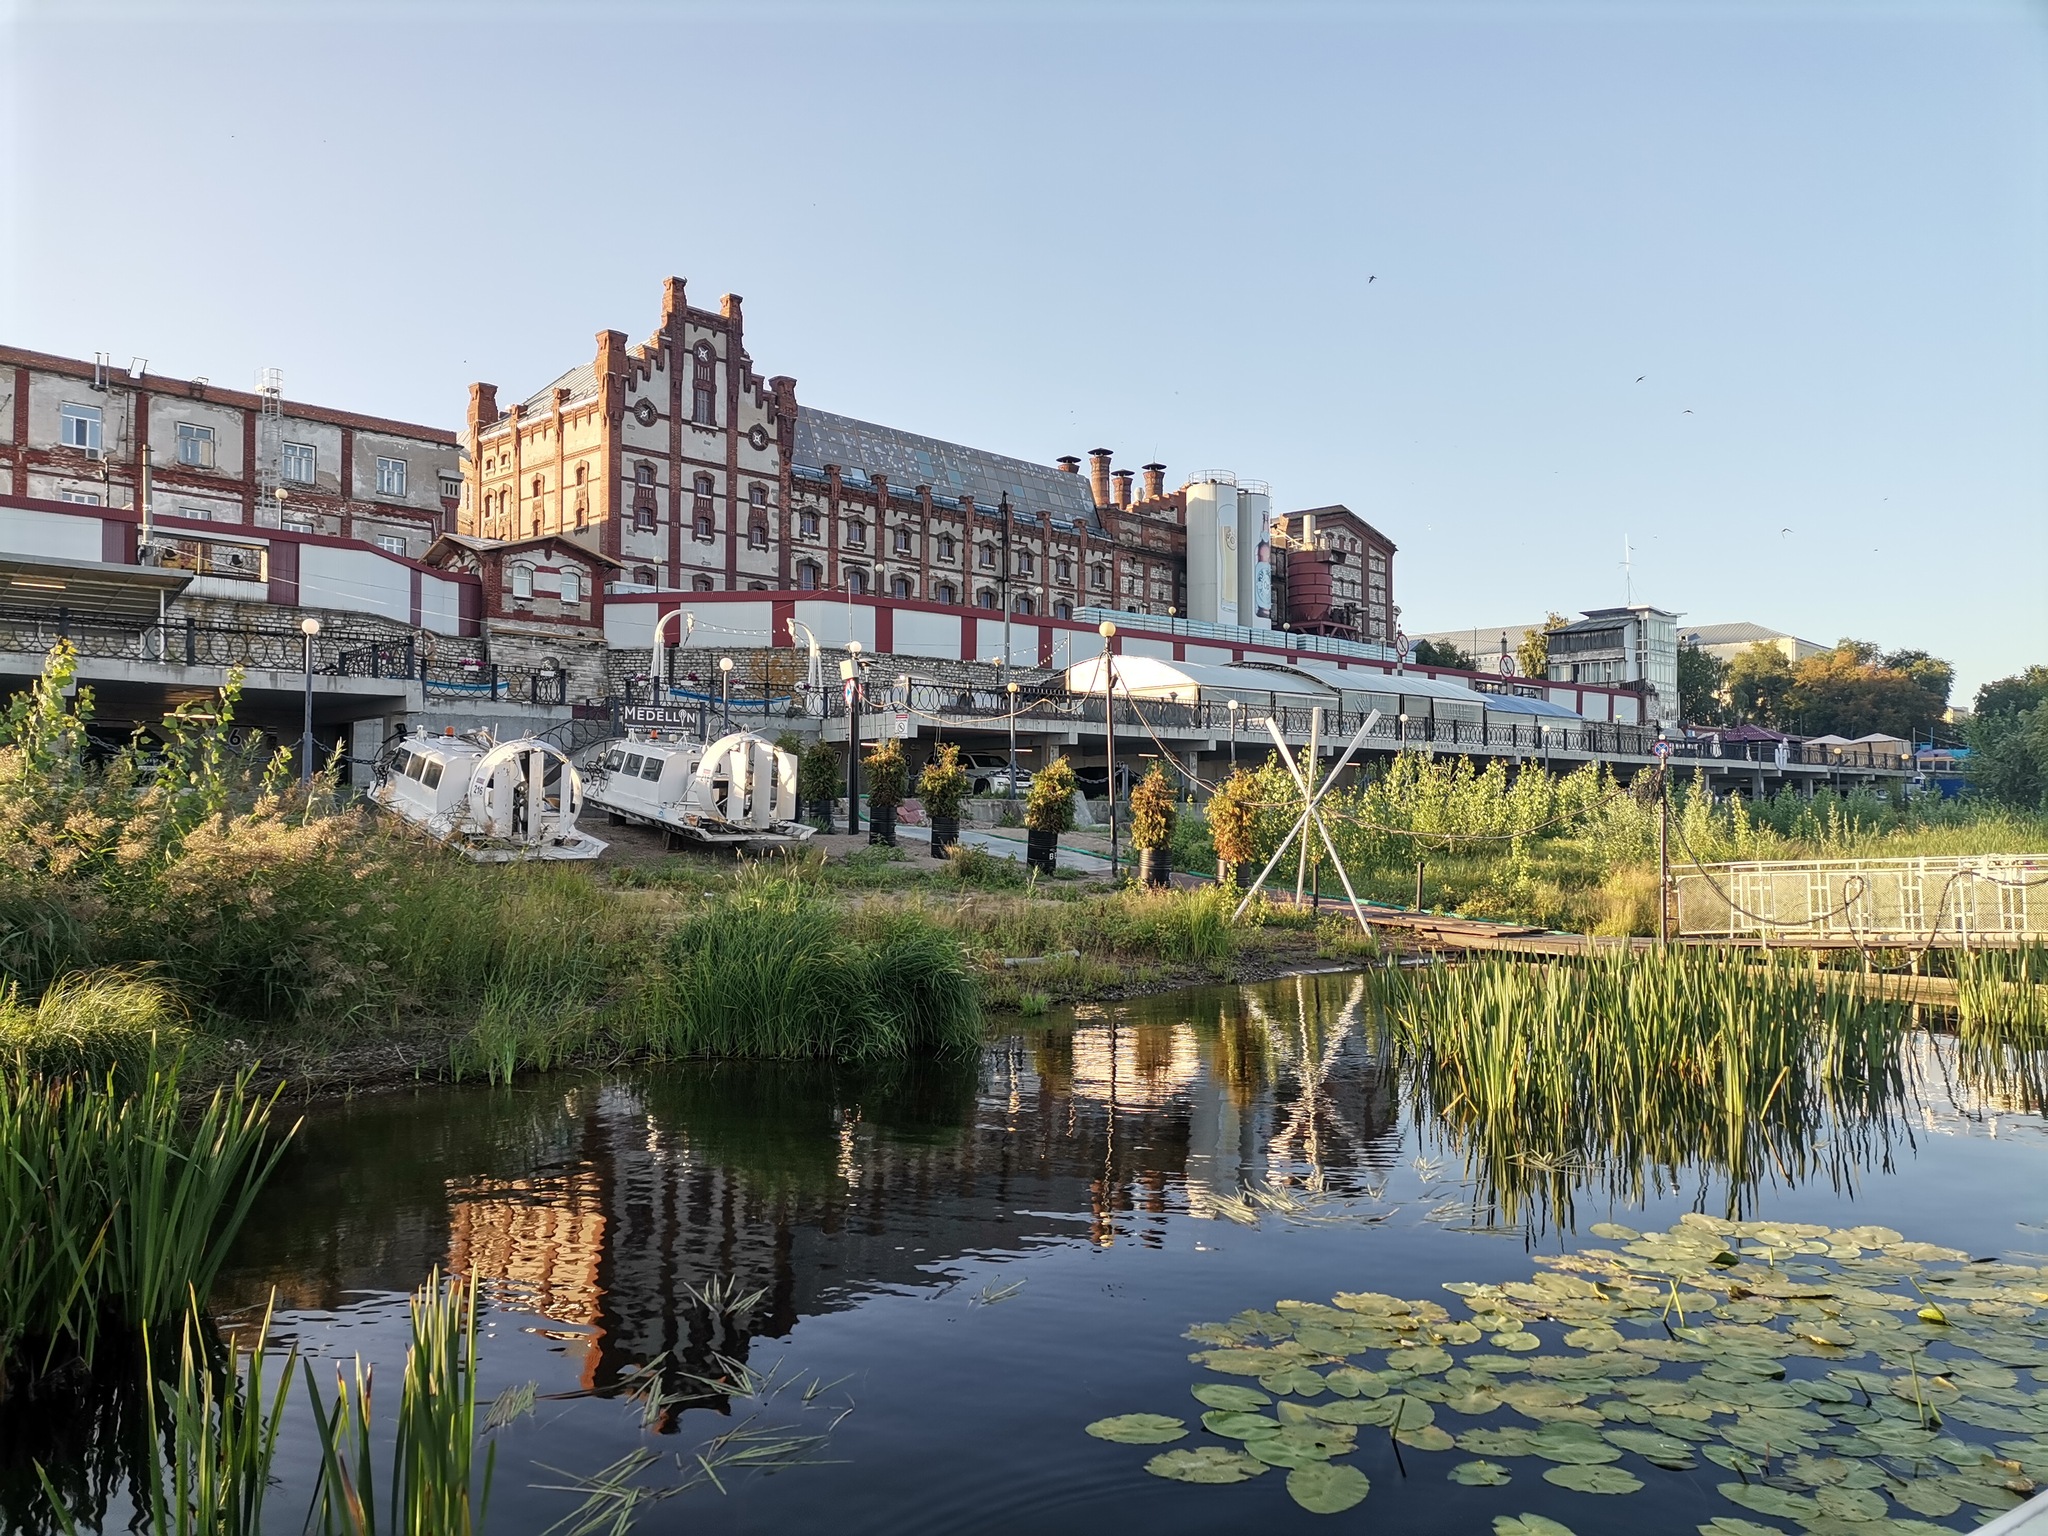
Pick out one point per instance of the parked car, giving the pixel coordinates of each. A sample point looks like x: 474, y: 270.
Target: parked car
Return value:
x: 988, y: 773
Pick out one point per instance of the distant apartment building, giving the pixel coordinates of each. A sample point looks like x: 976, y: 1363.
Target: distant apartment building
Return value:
x: 1725, y: 642
x: 1635, y: 646
x: 82, y: 432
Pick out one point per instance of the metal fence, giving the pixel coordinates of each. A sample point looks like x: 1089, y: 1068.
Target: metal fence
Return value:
x: 185, y: 642
x: 968, y: 706
x: 1883, y: 902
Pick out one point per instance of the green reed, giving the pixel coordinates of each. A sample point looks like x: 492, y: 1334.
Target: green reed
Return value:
x: 434, y: 1489
x: 1636, y: 1066
x: 116, y: 1206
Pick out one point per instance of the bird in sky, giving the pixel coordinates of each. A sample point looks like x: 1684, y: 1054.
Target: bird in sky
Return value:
x: 1373, y: 278
x: 1640, y: 377
x: 1783, y: 531
x: 1685, y: 413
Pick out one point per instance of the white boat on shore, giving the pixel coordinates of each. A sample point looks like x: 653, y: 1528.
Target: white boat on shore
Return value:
x: 493, y: 802
x: 738, y: 791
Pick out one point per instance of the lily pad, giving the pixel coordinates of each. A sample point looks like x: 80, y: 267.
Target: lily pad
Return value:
x: 1205, y: 1464
x: 1529, y: 1525
x: 1299, y: 1380
x: 1924, y: 1497
x: 1729, y: 1525
x: 1594, y: 1479
x: 1658, y: 1449
x: 1512, y: 1441
x: 1851, y: 1503
x: 1297, y: 1445
x: 1217, y: 1394
x: 1327, y: 1487
x: 1766, y: 1500
x: 1480, y: 1474
x: 1429, y: 1437
x: 1139, y: 1429
x: 1237, y: 1424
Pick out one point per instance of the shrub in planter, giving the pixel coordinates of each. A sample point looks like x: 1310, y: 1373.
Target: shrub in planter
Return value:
x: 1233, y: 815
x: 1048, y: 811
x: 888, y: 779
x: 817, y: 782
x: 943, y: 788
x: 1152, y: 816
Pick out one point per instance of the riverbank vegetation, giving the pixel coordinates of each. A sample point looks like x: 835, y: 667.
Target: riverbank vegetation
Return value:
x: 1575, y: 851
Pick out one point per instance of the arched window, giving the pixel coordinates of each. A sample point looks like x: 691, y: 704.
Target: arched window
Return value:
x: 988, y: 557
x: 1098, y: 578
x: 643, y: 473
x: 946, y: 593
x: 1064, y: 568
x: 807, y: 574
x: 856, y: 581
x: 643, y: 517
x: 1023, y: 562
x: 757, y: 534
x: 946, y: 546
x: 539, y: 487
x: 807, y: 524
x: 643, y: 576
x: 1063, y: 609
x: 857, y: 533
x: 522, y: 581
x: 572, y: 586
x: 1023, y: 604
x: 900, y: 587
x: 985, y: 598
x: 704, y: 386
x: 758, y: 495
x: 700, y: 583
x: 902, y: 540
x: 704, y: 526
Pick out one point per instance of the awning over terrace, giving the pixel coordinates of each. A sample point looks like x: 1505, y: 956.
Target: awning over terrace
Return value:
x: 87, y: 590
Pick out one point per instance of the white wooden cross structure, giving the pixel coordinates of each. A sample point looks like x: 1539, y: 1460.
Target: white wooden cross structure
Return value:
x: 1311, y: 813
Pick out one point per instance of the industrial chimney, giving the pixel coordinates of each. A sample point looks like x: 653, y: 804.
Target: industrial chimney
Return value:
x: 1098, y: 475
x: 1155, y: 481
x: 1069, y: 463
x: 1122, y: 477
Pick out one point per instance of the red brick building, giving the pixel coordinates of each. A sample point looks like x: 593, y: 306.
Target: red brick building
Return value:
x: 81, y: 432
x: 1338, y: 575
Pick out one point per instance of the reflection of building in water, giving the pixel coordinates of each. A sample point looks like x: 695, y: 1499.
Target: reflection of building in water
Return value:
x: 539, y: 1243
x: 613, y: 1209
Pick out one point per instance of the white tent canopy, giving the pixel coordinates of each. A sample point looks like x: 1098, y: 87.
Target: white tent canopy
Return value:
x: 1190, y: 682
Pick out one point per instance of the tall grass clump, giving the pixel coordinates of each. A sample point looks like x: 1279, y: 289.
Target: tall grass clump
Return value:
x: 116, y: 1207
x: 770, y: 969
x: 1634, y: 1062
x: 434, y: 1487
x: 91, y: 1026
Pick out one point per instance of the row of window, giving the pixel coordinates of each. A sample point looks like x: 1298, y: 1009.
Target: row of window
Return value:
x: 81, y: 426
x: 571, y: 579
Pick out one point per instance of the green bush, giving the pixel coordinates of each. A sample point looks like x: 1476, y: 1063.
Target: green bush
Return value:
x: 943, y: 784
x: 1049, y: 803
x: 1153, y: 804
x: 770, y: 970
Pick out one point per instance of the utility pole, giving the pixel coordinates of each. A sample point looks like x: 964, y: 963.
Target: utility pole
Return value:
x: 1011, y: 690
x: 1663, y: 842
x: 849, y: 674
x: 309, y: 627
x: 1108, y: 632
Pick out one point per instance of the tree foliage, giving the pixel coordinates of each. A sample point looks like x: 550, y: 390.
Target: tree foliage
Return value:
x: 1759, y: 685
x: 1533, y: 654
x: 887, y: 774
x: 1049, y: 803
x: 1854, y: 690
x: 1701, y: 677
x: 943, y: 784
x: 2009, y: 740
x: 1433, y: 653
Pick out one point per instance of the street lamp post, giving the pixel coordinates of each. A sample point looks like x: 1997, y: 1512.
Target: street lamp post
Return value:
x: 1108, y: 632
x: 309, y: 627
x: 849, y: 673
x: 1012, y: 690
x: 725, y: 692
x: 1233, y: 706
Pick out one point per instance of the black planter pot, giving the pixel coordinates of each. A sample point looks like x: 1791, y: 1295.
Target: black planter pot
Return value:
x: 1040, y: 849
x: 1154, y: 865
x: 882, y: 825
x: 945, y: 833
x: 1242, y: 875
x: 821, y: 810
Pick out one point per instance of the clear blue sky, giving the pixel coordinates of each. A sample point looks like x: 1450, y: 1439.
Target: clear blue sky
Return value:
x: 1040, y: 228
